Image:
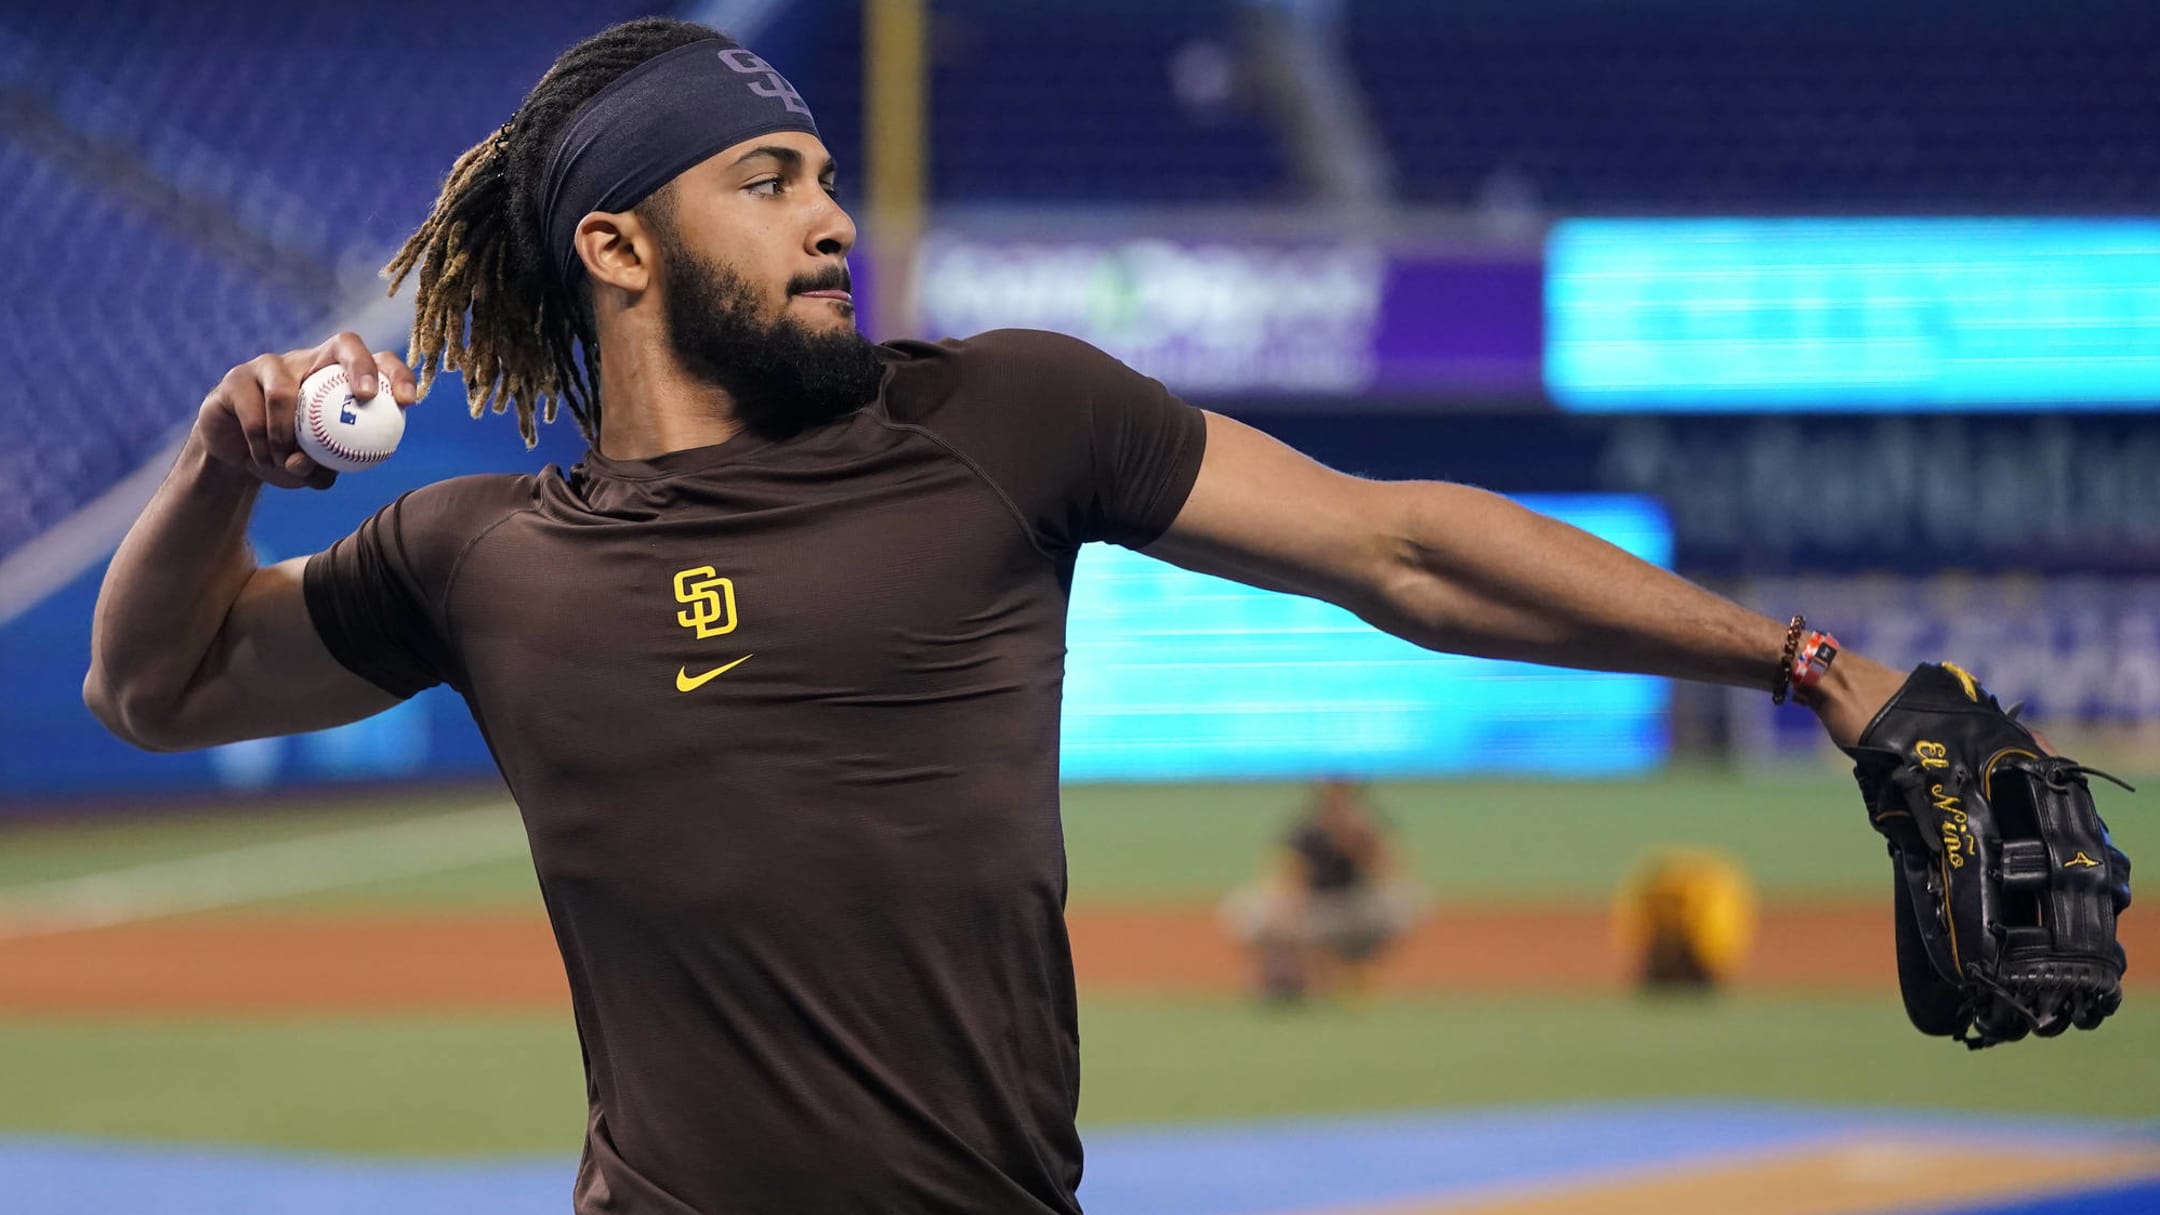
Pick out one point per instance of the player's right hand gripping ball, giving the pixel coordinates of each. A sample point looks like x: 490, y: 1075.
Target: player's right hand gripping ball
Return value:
x: 341, y: 432
x: 2007, y: 885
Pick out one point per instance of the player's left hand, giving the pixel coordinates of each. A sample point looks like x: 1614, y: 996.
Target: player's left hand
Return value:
x: 2008, y: 883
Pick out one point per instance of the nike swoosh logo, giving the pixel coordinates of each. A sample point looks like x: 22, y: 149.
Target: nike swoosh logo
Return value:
x: 686, y: 682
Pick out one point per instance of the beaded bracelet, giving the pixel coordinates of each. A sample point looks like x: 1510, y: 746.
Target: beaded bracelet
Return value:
x: 1781, y: 684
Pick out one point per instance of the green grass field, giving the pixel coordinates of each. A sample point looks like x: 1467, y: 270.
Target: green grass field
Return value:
x: 1798, y: 836
x: 465, y: 1084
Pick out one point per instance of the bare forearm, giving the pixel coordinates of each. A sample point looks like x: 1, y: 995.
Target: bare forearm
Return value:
x: 1481, y: 575
x: 167, y: 592
x: 192, y: 645
x: 1458, y: 569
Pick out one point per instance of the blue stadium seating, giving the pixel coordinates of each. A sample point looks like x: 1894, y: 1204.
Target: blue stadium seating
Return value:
x: 359, y: 110
x: 1772, y: 105
x: 1652, y: 105
x: 1074, y: 102
x: 323, y: 133
x: 115, y: 328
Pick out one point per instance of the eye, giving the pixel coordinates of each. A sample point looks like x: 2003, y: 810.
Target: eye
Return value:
x: 770, y: 187
x: 832, y: 188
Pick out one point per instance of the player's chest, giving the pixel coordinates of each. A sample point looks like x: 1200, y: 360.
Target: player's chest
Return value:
x: 916, y: 593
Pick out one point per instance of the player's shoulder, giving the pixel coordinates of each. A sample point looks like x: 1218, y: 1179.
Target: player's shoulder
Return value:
x: 420, y: 537
x: 469, y: 503
x: 997, y: 347
x: 1035, y: 364
x: 433, y: 526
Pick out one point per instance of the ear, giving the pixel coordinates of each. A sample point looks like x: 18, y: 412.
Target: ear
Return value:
x: 616, y: 249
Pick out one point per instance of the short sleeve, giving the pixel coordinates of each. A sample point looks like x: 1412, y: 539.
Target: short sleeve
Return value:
x: 378, y: 596
x: 1086, y: 447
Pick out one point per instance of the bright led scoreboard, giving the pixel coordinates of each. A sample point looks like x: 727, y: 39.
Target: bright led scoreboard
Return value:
x: 1738, y: 315
x: 1748, y: 315
x: 1172, y: 675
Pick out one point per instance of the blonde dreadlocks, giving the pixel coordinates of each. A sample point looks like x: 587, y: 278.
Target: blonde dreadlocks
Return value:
x: 487, y: 304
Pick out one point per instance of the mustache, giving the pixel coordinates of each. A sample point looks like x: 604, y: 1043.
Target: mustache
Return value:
x: 832, y: 278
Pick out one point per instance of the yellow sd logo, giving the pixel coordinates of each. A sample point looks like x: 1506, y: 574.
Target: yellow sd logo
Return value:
x: 711, y: 601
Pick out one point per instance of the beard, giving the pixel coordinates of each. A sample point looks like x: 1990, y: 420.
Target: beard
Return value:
x: 785, y: 376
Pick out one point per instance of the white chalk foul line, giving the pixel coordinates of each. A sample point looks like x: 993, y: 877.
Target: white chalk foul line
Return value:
x: 254, y: 873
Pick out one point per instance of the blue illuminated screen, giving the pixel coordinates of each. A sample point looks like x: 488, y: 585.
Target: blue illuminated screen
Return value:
x: 1772, y: 315
x: 1173, y: 675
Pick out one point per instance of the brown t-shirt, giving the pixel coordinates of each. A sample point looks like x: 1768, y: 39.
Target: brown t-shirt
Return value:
x: 782, y: 720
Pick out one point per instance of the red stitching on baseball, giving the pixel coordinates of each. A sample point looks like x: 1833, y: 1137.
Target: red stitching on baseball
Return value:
x: 320, y: 429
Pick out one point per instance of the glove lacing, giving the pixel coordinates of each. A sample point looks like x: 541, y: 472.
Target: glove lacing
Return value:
x: 2007, y: 997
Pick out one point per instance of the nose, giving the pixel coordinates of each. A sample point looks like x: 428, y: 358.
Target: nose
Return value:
x: 831, y: 231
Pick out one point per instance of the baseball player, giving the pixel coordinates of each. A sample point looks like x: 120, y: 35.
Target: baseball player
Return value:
x: 773, y: 673
x: 1330, y: 901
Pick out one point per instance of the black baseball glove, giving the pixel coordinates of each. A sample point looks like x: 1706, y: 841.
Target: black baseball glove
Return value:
x: 2007, y: 885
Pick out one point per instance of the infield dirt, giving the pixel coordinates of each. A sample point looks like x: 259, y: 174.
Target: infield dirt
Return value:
x: 349, y: 963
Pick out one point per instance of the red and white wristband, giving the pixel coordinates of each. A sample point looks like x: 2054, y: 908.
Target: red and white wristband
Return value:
x: 1807, y: 658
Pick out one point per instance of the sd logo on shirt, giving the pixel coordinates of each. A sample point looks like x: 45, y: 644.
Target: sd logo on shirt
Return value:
x: 710, y: 613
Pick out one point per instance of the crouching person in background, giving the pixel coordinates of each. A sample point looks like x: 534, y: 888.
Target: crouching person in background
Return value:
x: 1329, y: 902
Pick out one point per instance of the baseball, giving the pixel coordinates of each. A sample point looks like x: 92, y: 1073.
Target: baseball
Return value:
x: 342, y: 432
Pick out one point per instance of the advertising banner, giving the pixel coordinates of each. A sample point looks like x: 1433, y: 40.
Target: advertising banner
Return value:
x: 1255, y: 318
x: 1173, y: 675
x: 1853, y: 314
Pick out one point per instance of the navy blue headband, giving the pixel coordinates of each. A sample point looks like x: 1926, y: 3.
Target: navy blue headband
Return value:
x: 652, y: 122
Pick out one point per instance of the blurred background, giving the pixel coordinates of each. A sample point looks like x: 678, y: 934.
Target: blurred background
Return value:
x: 1843, y: 308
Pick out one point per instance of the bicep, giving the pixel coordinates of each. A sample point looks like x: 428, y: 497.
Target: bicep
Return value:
x: 1267, y: 515
x: 268, y: 672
